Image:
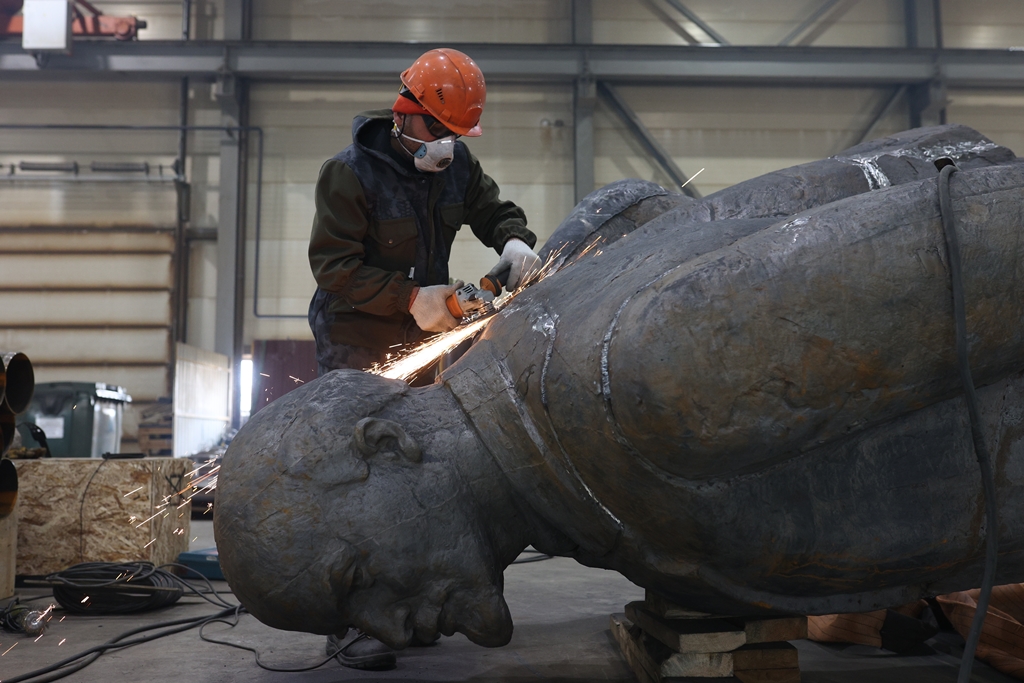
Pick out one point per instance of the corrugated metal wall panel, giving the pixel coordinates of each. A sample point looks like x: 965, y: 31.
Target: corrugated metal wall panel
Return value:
x: 145, y: 384
x: 200, y: 405
x: 1000, y: 115
x: 522, y: 21
x: 87, y: 266
x: 79, y: 308
x: 89, y: 346
x: 145, y: 271
x: 736, y: 133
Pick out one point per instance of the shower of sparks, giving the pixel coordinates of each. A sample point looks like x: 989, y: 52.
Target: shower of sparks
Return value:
x: 407, y: 363
x: 61, y: 642
x: 84, y: 599
x: 131, y: 492
x: 149, y: 544
x: 37, y: 639
x: 9, y: 649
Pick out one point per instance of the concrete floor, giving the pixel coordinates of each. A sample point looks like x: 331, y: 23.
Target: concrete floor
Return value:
x: 561, y: 634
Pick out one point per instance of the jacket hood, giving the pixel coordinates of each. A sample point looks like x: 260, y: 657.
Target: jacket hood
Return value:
x: 366, y: 128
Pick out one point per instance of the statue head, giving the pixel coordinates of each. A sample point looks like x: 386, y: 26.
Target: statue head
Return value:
x: 347, y: 503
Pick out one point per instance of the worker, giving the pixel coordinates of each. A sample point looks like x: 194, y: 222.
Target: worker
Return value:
x: 388, y: 208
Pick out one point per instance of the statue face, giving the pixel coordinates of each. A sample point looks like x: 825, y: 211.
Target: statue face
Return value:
x: 424, y: 568
x: 327, y: 518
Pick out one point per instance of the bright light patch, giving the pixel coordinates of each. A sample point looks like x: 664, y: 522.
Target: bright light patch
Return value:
x: 245, y: 400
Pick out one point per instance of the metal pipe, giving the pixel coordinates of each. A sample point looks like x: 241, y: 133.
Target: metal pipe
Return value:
x: 21, y: 381
x: 186, y: 18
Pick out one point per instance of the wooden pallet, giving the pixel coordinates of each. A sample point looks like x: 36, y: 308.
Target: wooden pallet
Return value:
x: 662, y: 642
x: 156, y: 440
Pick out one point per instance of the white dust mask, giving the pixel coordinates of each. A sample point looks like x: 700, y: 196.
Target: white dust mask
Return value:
x: 433, y: 156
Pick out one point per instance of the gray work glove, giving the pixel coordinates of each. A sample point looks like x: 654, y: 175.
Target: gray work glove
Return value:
x: 519, y: 259
x: 430, y: 310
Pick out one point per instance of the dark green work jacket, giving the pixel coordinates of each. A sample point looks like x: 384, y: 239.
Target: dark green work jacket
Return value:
x: 382, y: 228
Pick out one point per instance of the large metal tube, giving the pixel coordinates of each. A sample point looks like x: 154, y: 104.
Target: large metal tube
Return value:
x: 8, y: 487
x: 19, y: 385
x: 21, y: 381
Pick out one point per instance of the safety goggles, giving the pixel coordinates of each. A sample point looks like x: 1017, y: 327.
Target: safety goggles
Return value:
x: 436, y: 128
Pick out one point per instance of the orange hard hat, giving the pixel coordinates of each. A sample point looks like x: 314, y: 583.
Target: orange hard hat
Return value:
x: 449, y: 85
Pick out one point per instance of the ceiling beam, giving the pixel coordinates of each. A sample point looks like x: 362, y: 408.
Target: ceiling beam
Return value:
x: 560, y: 63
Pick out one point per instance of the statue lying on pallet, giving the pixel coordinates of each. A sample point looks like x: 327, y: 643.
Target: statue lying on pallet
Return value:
x: 749, y: 404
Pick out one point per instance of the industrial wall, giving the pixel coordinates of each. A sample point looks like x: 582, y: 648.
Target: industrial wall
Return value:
x: 107, y: 315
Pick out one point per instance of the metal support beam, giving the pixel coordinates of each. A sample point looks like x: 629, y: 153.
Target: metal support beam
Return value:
x: 582, y: 22
x: 648, y: 141
x: 919, y: 23
x: 814, y: 25
x: 695, y: 18
x: 503, y: 62
x: 584, y: 103
x: 231, y: 233
x: 666, y: 19
x: 882, y: 112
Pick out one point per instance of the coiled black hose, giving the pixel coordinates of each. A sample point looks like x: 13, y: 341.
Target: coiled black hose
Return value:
x: 114, y: 588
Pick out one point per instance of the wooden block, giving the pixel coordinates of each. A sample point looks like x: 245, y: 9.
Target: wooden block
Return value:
x: 75, y: 510
x: 775, y: 629
x: 688, y: 635
x: 769, y: 676
x: 8, y: 552
x: 632, y: 649
x: 665, y: 608
x: 765, y: 656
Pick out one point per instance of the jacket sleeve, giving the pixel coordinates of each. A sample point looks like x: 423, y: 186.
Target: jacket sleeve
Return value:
x: 336, y: 247
x: 493, y: 221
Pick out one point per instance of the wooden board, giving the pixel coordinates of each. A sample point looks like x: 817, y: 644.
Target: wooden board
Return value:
x: 775, y: 629
x: 75, y: 510
x: 665, y: 608
x: 688, y: 635
x: 8, y: 552
x: 652, y: 661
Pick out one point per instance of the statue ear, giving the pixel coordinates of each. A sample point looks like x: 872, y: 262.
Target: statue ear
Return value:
x: 371, y: 432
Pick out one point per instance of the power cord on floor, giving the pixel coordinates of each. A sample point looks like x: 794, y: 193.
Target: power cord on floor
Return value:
x: 259, y: 662
x: 980, y: 450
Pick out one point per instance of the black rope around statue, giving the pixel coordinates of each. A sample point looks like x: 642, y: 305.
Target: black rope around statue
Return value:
x: 980, y: 451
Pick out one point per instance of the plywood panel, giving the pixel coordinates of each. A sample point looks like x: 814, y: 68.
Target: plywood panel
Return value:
x: 84, y: 510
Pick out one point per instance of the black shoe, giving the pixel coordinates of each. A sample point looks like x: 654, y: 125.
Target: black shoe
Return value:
x: 357, y: 650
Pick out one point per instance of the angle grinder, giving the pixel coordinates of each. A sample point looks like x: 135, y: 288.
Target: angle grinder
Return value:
x: 472, y: 302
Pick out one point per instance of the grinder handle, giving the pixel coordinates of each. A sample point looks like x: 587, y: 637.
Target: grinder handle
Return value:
x: 494, y: 283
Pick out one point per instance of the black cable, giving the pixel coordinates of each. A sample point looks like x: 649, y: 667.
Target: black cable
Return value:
x: 71, y: 664
x: 81, y: 512
x: 980, y: 451
x: 253, y: 650
x: 126, y: 587
x: 114, y: 588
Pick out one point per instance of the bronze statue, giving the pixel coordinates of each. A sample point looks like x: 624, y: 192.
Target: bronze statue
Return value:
x: 747, y: 403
